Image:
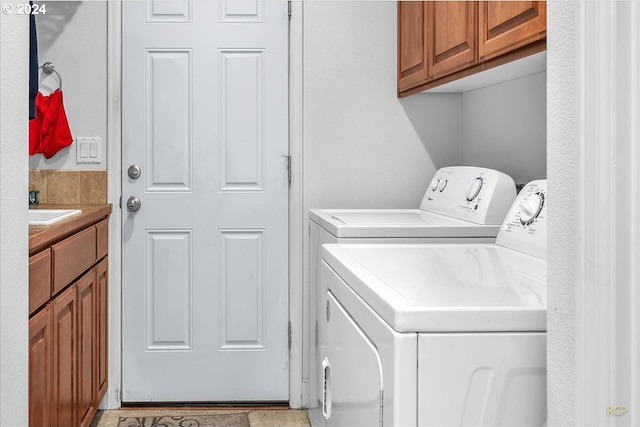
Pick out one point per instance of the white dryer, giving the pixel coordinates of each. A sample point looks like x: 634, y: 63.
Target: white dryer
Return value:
x: 438, y: 334
x: 461, y: 204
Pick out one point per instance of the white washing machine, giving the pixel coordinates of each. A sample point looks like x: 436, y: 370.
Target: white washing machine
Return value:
x: 461, y: 204
x: 438, y: 334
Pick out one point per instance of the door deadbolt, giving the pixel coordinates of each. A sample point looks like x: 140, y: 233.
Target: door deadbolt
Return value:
x: 134, y: 171
x: 133, y: 204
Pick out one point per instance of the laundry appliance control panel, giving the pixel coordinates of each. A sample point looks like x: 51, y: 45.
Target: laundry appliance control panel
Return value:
x: 478, y: 195
x: 525, y: 227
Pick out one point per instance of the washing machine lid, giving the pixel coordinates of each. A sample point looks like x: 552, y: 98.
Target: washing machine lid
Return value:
x: 445, y: 287
x: 396, y: 223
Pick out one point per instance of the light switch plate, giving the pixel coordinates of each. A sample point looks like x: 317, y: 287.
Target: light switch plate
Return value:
x: 88, y: 149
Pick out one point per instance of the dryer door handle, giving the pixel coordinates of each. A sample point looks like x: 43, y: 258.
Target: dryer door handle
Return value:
x: 326, y: 388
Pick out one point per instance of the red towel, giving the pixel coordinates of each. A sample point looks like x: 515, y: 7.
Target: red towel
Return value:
x: 49, y: 132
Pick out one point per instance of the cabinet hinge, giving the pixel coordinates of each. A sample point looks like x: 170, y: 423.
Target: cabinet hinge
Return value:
x: 289, y: 9
x: 120, y: 202
x: 289, y: 335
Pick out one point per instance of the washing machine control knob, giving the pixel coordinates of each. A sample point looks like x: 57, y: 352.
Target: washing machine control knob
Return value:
x: 442, y: 185
x: 531, y: 207
x: 473, y: 189
x: 434, y: 184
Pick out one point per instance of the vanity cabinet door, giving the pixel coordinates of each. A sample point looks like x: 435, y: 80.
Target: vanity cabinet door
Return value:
x: 64, y: 344
x: 73, y: 256
x: 102, y: 239
x: 86, y: 294
x: 39, y: 279
x: 101, y: 336
x: 40, y: 346
x: 508, y: 25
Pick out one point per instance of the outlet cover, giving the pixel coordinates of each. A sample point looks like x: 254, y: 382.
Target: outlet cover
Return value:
x: 88, y: 149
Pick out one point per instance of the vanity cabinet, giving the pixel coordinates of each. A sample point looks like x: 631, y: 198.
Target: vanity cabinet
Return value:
x: 439, y: 42
x: 68, y: 330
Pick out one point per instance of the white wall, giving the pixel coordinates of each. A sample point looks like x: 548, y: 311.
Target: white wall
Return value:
x: 563, y: 241
x: 504, y: 127
x: 14, y: 112
x: 73, y: 36
x: 362, y: 146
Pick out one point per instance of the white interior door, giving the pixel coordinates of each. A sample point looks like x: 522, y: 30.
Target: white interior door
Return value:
x: 205, y: 258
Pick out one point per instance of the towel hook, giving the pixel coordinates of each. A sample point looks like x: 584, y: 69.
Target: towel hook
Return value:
x: 48, y: 68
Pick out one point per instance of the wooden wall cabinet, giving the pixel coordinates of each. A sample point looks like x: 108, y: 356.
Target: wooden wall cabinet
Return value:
x: 439, y: 42
x: 68, y: 331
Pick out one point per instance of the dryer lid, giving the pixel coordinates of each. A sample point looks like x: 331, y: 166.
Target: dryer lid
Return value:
x: 445, y: 287
x: 396, y: 223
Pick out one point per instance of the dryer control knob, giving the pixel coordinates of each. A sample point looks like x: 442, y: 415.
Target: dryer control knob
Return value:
x: 473, y: 189
x: 434, y: 184
x: 531, y: 207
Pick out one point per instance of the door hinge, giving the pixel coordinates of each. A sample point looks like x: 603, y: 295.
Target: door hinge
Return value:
x: 288, y: 157
x: 315, y: 335
x: 120, y: 202
x: 381, y: 407
x: 289, y: 335
x: 289, y: 9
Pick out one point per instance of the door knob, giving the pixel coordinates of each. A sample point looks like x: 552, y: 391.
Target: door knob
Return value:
x: 134, y: 171
x: 133, y: 204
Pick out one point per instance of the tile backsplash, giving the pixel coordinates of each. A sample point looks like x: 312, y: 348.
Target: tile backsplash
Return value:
x: 69, y: 186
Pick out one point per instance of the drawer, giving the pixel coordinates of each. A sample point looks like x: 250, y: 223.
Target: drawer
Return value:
x: 102, y: 236
x: 39, y: 279
x: 72, y: 257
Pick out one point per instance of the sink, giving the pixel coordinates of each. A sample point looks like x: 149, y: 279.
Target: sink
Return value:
x: 49, y: 216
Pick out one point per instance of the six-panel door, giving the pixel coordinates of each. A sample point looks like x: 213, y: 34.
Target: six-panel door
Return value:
x: 205, y: 258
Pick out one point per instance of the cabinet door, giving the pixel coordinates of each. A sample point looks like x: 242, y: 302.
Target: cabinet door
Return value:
x: 86, y: 288
x: 101, y: 329
x: 102, y: 238
x: 64, y: 327
x: 412, y: 51
x: 39, y: 279
x: 508, y: 25
x: 73, y: 256
x: 451, y: 36
x: 40, y: 368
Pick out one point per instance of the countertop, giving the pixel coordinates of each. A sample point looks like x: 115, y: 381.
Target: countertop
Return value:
x: 41, y: 236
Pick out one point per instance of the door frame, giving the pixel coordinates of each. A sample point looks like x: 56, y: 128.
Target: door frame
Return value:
x: 113, y: 398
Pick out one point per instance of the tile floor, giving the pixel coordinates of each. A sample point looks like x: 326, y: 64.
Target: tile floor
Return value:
x: 257, y: 417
